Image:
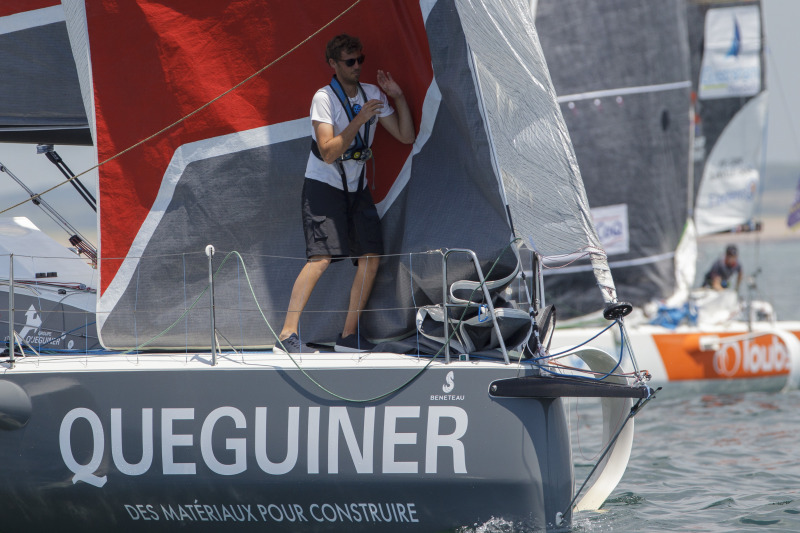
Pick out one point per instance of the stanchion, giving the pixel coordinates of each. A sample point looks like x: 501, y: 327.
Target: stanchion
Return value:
x: 210, y: 254
x: 11, y: 332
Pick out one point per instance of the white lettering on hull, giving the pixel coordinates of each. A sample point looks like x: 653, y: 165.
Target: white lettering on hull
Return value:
x: 353, y: 513
x: 177, y: 435
x: 758, y: 356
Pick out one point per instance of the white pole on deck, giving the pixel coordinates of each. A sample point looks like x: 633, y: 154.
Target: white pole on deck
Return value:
x: 210, y: 254
x: 11, y: 332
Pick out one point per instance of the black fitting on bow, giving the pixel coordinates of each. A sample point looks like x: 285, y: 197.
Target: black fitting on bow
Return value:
x: 617, y: 310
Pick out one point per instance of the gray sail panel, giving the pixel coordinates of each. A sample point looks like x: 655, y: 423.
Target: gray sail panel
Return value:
x: 529, y: 137
x: 40, y: 98
x: 621, y: 73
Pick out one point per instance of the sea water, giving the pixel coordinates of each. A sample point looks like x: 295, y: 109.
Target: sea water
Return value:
x: 709, y: 463
x: 703, y: 463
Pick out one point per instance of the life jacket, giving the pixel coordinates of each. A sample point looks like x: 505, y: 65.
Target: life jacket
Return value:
x: 361, y: 151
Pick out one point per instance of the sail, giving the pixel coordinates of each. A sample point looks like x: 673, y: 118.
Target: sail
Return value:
x: 621, y: 73
x: 727, y: 70
x: 40, y: 96
x: 730, y: 185
x: 492, y: 156
x: 731, y: 63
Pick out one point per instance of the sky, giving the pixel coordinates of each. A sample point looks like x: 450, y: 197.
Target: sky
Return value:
x: 783, y: 80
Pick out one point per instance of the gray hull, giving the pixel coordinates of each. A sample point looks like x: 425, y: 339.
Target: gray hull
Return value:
x: 159, y: 442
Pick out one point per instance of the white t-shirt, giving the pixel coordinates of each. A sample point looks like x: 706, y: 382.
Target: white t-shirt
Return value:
x: 326, y: 107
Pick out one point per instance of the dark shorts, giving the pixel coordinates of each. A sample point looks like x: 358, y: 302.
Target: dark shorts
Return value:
x: 331, y: 230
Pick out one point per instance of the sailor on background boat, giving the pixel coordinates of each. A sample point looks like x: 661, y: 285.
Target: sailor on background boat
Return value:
x: 722, y: 269
x: 339, y: 215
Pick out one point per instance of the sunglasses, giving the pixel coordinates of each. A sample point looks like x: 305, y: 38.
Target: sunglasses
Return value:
x: 352, y: 61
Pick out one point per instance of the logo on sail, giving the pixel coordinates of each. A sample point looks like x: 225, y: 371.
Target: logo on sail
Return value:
x: 736, y: 42
x: 731, y: 65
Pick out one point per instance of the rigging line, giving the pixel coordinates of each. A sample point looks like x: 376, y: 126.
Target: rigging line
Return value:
x: 41, y: 202
x: 634, y: 411
x: 611, y: 264
x: 303, y: 371
x: 410, y: 380
x: 569, y: 350
x: 624, y: 90
x: 192, y: 113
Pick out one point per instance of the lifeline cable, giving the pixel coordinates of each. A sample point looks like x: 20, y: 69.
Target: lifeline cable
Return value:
x: 634, y: 411
x: 303, y: 371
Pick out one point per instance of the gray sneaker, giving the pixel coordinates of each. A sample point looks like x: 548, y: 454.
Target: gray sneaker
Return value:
x: 292, y: 345
x: 353, y: 343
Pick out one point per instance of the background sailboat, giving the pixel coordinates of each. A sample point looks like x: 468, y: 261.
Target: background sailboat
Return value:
x: 680, y: 354
x: 623, y: 86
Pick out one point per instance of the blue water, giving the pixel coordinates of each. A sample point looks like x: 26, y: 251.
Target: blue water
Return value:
x: 709, y: 463
x: 706, y: 463
x: 703, y: 463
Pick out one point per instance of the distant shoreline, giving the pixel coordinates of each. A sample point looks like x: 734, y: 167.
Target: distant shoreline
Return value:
x: 772, y: 229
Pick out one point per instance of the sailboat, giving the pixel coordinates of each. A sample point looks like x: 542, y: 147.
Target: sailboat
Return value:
x: 199, y: 114
x: 633, y: 136
x: 40, y: 102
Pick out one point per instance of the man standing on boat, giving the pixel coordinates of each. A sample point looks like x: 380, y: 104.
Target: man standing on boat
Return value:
x: 339, y: 216
x: 722, y: 269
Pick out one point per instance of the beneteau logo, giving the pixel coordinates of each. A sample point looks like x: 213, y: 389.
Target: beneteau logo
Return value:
x: 448, y: 383
x: 447, y: 387
x: 247, y: 438
x: 762, y: 355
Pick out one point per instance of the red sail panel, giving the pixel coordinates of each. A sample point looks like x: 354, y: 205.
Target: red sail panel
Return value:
x: 154, y: 64
x: 20, y: 6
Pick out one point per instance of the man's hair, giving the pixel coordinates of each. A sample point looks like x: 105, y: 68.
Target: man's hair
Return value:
x: 731, y: 250
x: 342, y: 44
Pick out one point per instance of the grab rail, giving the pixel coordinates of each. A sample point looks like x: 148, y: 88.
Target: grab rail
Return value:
x: 446, y: 303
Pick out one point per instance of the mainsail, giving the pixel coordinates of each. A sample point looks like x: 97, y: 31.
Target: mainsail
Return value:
x: 40, y: 96
x: 621, y: 72
x: 492, y: 156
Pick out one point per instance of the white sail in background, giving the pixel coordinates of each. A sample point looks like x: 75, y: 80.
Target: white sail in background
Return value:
x: 730, y: 183
x: 732, y: 53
